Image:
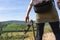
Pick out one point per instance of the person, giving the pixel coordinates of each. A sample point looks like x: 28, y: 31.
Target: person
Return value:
x: 41, y: 18
x: 58, y: 3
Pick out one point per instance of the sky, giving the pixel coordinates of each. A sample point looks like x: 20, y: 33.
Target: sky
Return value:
x: 16, y: 10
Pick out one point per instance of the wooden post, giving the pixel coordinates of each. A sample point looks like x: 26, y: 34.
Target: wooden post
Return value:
x: 33, y: 28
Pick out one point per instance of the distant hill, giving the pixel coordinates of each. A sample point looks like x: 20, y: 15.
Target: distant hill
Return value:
x: 16, y: 22
x: 13, y: 22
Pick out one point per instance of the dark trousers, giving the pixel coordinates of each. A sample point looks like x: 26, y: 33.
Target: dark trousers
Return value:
x: 54, y: 26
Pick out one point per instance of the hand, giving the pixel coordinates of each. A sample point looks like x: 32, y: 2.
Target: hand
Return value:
x: 27, y: 18
x: 25, y: 31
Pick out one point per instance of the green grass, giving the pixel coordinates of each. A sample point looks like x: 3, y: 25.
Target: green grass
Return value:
x: 47, y: 29
x: 20, y: 35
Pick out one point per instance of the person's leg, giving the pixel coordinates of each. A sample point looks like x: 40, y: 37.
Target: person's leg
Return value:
x: 40, y: 29
x: 56, y: 29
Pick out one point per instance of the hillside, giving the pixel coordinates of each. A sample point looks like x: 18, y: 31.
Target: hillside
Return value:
x: 16, y: 22
x: 13, y: 22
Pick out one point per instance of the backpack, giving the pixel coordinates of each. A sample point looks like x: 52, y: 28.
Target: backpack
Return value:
x: 43, y: 7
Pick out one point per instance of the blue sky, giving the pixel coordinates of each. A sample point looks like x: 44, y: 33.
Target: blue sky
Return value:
x: 16, y: 10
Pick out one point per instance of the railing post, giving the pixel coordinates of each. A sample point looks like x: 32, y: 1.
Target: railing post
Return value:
x: 33, y: 29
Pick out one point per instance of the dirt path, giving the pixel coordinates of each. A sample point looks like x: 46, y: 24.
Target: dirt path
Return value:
x: 48, y: 36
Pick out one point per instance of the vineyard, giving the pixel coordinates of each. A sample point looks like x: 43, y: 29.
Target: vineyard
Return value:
x: 15, y: 32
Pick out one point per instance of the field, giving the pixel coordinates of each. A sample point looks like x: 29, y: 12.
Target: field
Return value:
x: 28, y: 36
x: 19, y: 35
